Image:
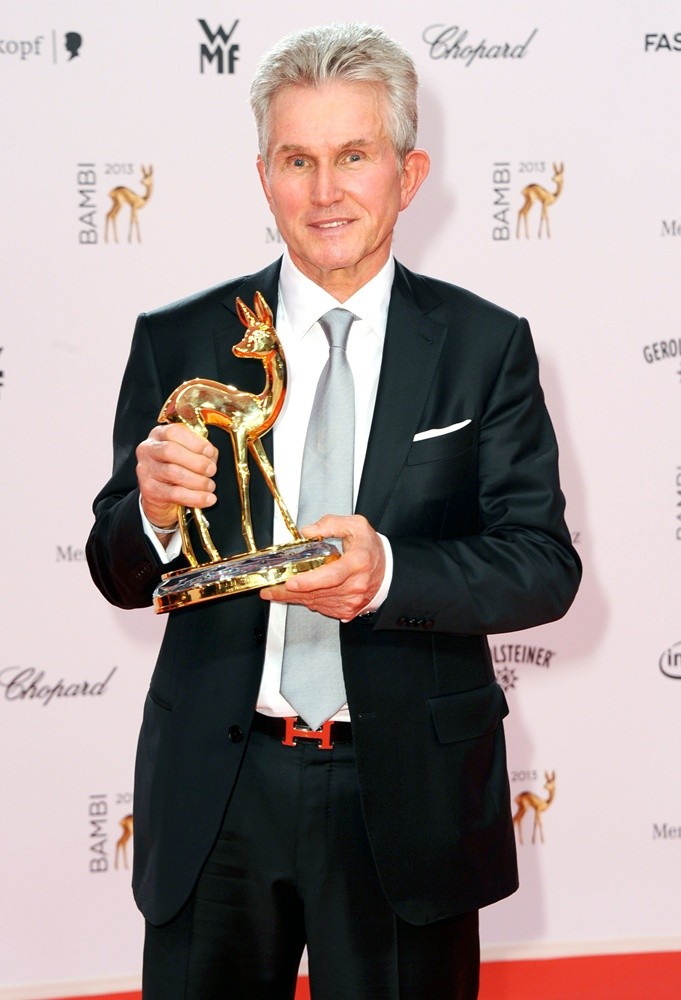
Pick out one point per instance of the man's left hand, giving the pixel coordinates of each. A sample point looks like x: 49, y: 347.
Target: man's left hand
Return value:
x: 340, y: 589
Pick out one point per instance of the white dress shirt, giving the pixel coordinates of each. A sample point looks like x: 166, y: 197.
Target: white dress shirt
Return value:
x: 301, y: 303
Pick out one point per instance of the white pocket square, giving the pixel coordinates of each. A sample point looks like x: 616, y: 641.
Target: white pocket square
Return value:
x: 439, y: 431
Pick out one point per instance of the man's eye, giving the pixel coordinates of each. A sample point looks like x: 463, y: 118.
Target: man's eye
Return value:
x: 298, y: 162
x: 354, y: 157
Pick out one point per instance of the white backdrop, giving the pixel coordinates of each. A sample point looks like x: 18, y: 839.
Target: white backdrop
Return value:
x: 509, y: 90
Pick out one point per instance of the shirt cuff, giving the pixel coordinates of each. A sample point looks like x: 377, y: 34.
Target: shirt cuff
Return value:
x: 165, y: 553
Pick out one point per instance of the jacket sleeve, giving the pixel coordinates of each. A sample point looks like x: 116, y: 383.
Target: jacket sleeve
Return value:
x: 122, y: 560
x: 517, y: 568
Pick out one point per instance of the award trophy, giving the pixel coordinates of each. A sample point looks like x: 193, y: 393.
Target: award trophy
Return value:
x: 246, y: 417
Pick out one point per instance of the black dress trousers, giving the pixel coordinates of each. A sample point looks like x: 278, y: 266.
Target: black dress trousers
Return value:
x: 292, y: 866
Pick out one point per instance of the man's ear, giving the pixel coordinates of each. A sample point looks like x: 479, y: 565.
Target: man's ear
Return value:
x: 414, y: 172
x: 262, y: 173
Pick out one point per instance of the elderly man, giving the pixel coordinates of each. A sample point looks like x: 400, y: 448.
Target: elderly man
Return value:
x: 377, y: 830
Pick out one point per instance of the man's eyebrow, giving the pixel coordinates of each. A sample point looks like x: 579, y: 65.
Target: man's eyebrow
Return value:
x: 292, y: 147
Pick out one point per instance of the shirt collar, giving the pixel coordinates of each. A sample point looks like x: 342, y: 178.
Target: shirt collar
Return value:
x: 304, y: 301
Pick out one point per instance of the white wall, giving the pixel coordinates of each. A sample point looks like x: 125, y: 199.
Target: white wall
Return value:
x: 600, y: 705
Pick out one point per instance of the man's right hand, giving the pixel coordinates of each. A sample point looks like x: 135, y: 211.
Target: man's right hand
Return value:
x: 175, y: 466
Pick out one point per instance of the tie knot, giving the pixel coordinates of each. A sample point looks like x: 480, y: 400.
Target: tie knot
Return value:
x: 336, y: 326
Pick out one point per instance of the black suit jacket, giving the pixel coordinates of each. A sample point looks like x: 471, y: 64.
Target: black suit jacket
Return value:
x: 475, y: 520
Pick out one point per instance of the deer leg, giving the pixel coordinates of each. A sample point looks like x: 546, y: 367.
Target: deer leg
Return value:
x: 243, y: 475
x: 204, y: 533
x: 265, y: 465
x: 537, y: 828
x: 517, y: 819
x: 522, y: 214
x: 187, y: 546
x: 111, y: 218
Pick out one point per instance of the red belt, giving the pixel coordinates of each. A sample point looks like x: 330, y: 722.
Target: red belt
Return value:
x: 290, y: 730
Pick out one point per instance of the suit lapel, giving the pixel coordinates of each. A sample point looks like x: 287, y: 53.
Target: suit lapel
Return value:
x: 413, y: 345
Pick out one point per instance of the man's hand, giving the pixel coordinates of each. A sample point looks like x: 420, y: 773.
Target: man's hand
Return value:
x: 175, y: 466
x: 340, y: 589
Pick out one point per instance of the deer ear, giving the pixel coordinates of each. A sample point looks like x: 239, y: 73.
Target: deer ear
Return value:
x: 262, y: 310
x: 245, y: 315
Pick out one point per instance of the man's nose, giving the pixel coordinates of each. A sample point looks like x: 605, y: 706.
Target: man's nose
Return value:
x: 326, y: 189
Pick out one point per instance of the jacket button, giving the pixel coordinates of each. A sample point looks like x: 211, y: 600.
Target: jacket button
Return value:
x: 259, y: 634
x: 402, y: 622
x: 235, y: 734
x: 428, y: 623
x: 142, y: 571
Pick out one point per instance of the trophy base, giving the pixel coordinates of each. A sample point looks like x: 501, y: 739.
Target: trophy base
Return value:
x: 250, y: 571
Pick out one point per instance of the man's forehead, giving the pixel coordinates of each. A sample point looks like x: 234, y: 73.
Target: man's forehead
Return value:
x: 336, y: 114
x: 348, y: 93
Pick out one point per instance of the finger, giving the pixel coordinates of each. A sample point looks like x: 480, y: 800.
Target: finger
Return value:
x: 185, y: 436
x: 171, y: 472
x: 328, y: 604
x: 161, y: 477
x: 197, y: 456
x: 330, y: 576
x: 192, y: 474
x: 330, y: 526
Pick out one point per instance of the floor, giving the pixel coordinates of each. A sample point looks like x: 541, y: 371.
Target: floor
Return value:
x: 610, y: 977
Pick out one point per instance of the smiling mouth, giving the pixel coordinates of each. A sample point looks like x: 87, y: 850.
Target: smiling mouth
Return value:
x: 337, y: 224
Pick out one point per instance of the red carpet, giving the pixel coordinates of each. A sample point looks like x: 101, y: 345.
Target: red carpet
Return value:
x: 607, y: 977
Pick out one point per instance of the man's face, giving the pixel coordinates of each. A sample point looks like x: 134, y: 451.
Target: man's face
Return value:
x: 333, y: 181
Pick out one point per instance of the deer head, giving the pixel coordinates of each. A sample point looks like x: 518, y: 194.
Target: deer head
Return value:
x: 260, y: 339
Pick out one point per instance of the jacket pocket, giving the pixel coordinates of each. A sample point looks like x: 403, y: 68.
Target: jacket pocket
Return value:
x: 435, y: 449
x: 159, y: 701
x: 468, y: 715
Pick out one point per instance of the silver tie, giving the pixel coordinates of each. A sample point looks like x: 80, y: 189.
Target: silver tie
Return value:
x: 312, y: 673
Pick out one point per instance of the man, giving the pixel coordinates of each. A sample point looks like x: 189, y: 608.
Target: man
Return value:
x: 376, y: 853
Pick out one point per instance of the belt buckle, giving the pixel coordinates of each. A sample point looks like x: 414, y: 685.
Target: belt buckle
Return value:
x: 303, y: 732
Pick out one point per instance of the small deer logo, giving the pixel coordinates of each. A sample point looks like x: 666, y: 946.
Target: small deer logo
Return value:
x: 121, y: 196
x: 244, y: 415
x: 528, y: 800
x: 535, y: 192
x: 122, y: 842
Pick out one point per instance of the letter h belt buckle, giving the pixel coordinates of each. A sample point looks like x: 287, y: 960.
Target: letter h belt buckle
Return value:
x: 296, y: 732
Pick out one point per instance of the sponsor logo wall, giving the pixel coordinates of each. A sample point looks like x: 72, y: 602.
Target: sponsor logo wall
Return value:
x: 129, y: 171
